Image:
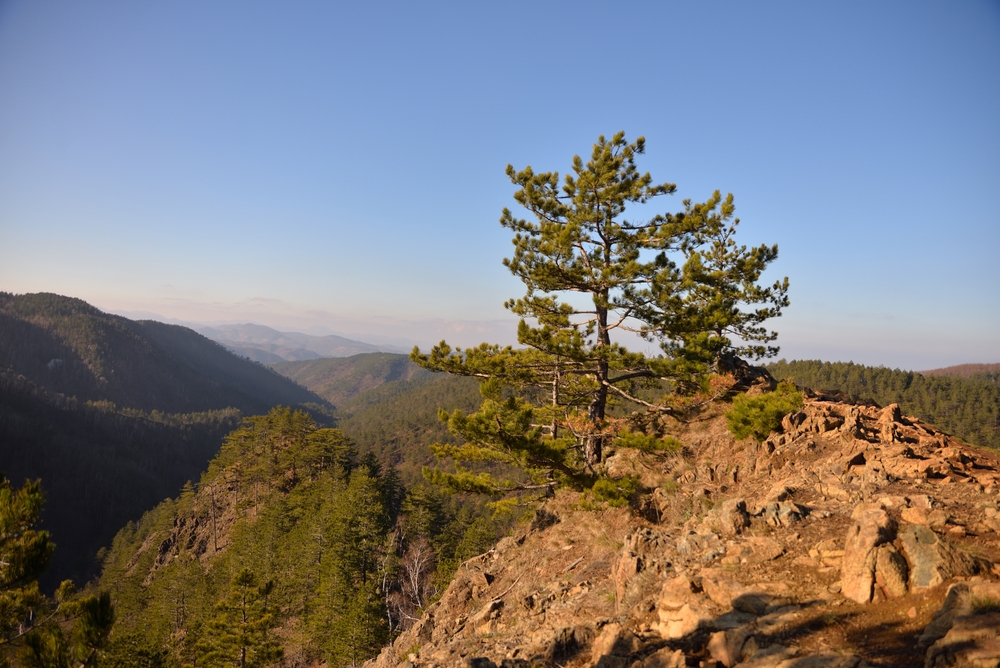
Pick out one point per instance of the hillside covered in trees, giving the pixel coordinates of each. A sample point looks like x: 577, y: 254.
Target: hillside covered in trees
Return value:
x: 387, y: 404
x: 967, y: 406
x: 115, y: 415
x: 290, y: 544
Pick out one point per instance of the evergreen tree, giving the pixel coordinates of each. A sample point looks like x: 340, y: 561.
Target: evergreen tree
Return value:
x: 360, y: 630
x: 24, y: 554
x: 678, y: 279
x: 26, y: 614
x: 240, y: 634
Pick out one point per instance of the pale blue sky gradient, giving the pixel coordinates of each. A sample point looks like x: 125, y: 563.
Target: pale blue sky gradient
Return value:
x: 339, y: 168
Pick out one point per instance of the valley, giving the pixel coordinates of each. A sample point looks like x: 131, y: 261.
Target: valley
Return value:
x: 323, y: 504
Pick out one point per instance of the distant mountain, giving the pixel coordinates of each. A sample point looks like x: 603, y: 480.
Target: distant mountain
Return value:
x: 963, y: 370
x: 114, y: 415
x: 267, y: 346
x: 339, y: 380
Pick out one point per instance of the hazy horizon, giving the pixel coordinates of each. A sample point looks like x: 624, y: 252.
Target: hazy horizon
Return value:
x: 340, y: 167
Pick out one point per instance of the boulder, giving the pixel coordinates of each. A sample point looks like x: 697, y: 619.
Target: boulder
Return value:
x: 613, y: 647
x: 782, y: 513
x: 754, y: 550
x: 726, y: 647
x: 872, y: 527
x: 685, y: 620
x: 677, y: 592
x: 665, y: 658
x: 766, y: 657
x: 725, y: 591
x: 720, y: 587
x: 962, y: 600
x: 730, y: 518
x: 706, y: 546
x: 973, y: 640
x: 822, y: 660
x: 931, y: 559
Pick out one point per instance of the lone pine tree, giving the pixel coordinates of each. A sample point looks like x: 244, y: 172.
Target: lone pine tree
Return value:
x: 677, y: 279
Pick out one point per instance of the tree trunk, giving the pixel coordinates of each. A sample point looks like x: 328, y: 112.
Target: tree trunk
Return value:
x: 594, y: 444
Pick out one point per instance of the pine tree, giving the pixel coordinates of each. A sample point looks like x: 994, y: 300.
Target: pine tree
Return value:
x: 27, y: 615
x: 677, y: 279
x: 24, y: 554
x: 241, y: 632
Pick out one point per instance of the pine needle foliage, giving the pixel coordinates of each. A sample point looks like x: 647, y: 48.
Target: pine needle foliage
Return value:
x: 758, y: 416
x: 675, y: 279
x: 61, y: 632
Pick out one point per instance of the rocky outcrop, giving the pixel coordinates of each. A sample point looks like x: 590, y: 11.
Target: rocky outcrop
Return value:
x: 854, y: 535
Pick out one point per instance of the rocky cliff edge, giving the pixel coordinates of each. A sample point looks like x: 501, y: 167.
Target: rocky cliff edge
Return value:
x: 854, y: 536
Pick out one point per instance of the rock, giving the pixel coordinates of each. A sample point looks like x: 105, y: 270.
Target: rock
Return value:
x: 915, y: 515
x: 726, y: 592
x: 720, y: 587
x: 731, y: 518
x: 872, y: 527
x: 957, y: 601
x: 707, y: 546
x: 733, y: 619
x: 937, y: 518
x: 488, y: 612
x: 678, y: 591
x: 961, y: 601
x: 824, y: 660
x: 665, y: 658
x: 755, y: 550
x: 931, y: 560
x: 566, y: 641
x: 890, y: 572
x: 973, y: 640
x: 613, y: 647
x: 479, y: 662
x: 890, y: 414
x: 684, y: 621
x: 682, y: 608
x: 767, y: 657
x: 782, y: 513
x: 628, y: 566
x: 780, y: 619
x: 726, y: 647
x: 791, y: 421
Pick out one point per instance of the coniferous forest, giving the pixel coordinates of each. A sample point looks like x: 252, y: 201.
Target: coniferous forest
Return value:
x: 290, y: 543
x: 114, y: 415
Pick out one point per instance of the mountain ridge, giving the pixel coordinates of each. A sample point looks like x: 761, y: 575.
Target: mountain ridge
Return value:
x: 267, y: 345
x: 852, y: 536
x: 114, y: 415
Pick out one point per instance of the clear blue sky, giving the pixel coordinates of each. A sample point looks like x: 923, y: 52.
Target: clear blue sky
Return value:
x: 339, y: 166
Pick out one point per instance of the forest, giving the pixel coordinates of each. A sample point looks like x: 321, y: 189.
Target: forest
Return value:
x: 114, y: 415
x: 290, y: 543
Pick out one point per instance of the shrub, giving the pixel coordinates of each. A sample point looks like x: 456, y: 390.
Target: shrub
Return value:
x: 616, y: 491
x: 759, y: 416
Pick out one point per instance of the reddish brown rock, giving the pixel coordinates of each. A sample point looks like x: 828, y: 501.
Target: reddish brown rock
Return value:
x: 872, y: 527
